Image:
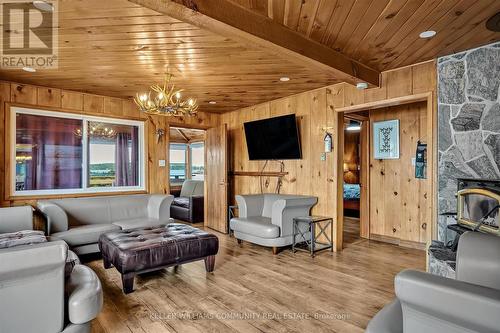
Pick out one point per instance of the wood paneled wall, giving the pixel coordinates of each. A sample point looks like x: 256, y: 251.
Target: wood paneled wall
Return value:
x: 412, y: 212
x: 306, y: 176
x: 399, y: 207
x: 351, y: 157
x: 82, y: 103
x: 315, y: 110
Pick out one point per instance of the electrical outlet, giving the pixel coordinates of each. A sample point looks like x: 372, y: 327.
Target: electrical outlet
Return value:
x: 323, y: 156
x: 162, y: 163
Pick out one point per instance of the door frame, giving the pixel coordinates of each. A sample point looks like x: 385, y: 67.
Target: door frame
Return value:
x: 427, y: 97
x: 364, y: 174
x: 188, y: 154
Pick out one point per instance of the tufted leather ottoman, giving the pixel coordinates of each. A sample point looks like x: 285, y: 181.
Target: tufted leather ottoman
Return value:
x: 142, y: 250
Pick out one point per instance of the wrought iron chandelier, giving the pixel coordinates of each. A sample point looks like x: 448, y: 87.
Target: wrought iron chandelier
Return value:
x: 166, y: 100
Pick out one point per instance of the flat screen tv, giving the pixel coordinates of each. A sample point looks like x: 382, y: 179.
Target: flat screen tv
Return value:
x: 273, y: 139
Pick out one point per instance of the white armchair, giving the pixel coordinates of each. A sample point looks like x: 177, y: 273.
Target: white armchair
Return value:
x: 267, y: 219
x: 430, y: 303
x: 14, y: 219
x: 43, y: 288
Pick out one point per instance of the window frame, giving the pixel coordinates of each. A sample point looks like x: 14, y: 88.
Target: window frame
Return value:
x: 186, y: 161
x: 85, y: 189
x: 191, y: 157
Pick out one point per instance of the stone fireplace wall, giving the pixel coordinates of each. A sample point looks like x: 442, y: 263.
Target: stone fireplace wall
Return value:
x: 469, y: 122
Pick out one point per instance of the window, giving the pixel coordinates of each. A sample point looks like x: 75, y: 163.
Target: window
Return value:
x: 178, y: 163
x: 197, y: 160
x: 113, y: 154
x: 64, y: 153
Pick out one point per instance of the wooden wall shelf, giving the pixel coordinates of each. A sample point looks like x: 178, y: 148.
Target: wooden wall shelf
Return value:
x: 258, y: 174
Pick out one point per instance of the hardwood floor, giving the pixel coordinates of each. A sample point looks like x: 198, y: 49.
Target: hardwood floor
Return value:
x: 283, y: 293
x: 351, y: 231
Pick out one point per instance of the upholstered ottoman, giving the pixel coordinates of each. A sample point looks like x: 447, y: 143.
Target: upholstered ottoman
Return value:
x: 142, y: 250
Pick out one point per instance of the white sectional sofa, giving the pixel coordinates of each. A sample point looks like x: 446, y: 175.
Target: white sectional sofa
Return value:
x: 80, y: 221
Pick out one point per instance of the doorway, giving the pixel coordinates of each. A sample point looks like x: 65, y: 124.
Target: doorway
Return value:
x: 398, y: 202
x: 187, y: 174
x: 355, y: 171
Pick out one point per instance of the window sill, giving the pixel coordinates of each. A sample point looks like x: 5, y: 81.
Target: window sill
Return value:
x: 18, y: 197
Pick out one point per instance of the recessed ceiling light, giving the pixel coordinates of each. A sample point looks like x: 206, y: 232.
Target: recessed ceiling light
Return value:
x: 212, y: 102
x: 29, y: 69
x: 353, y: 126
x: 284, y: 79
x: 362, y: 85
x: 427, y: 34
x: 43, y: 6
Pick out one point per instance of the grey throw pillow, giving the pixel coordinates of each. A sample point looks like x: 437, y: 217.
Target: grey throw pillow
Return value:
x: 23, y: 237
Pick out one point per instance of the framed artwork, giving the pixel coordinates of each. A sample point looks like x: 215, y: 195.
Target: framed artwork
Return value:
x: 386, y: 139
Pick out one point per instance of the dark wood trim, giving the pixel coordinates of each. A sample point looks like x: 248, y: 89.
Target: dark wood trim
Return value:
x: 423, y: 97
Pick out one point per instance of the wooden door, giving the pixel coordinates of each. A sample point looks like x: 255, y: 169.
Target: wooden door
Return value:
x: 216, y: 178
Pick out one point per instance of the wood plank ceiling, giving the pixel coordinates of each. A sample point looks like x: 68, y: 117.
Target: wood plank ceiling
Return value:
x: 384, y: 34
x: 118, y: 48
x: 186, y: 135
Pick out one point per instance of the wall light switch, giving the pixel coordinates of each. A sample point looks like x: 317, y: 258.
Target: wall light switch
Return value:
x: 413, y: 161
x: 162, y: 163
x: 323, y: 156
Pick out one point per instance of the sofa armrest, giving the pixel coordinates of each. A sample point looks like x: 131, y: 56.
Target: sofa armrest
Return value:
x: 250, y: 205
x: 30, y: 261
x: 14, y: 219
x: 56, y: 217
x: 387, y: 320
x: 478, y: 259
x: 84, y: 293
x: 428, y: 299
x: 285, y: 209
x: 196, y: 208
x: 32, y: 287
x: 159, y: 207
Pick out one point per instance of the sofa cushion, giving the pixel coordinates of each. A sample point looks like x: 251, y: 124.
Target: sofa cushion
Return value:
x: 103, y: 210
x: 181, y: 202
x: 137, y: 223
x: 256, y: 226
x: 192, y: 187
x: 85, y: 234
x: 128, y: 207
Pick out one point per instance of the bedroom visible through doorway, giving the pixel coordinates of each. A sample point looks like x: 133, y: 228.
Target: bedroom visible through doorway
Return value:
x: 354, y: 168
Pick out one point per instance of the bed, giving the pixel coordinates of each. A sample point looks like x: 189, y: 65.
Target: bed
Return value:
x: 352, y: 193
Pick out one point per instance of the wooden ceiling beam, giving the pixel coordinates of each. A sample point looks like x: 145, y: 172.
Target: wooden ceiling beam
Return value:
x: 233, y: 21
x: 182, y: 134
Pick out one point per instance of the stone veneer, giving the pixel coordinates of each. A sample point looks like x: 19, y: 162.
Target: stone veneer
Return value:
x: 468, y: 134
x: 469, y: 122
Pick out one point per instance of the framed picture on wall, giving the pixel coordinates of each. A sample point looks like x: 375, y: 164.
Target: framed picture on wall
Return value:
x: 386, y: 139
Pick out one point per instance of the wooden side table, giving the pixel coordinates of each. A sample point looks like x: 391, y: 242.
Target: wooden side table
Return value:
x: 307, y: 224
